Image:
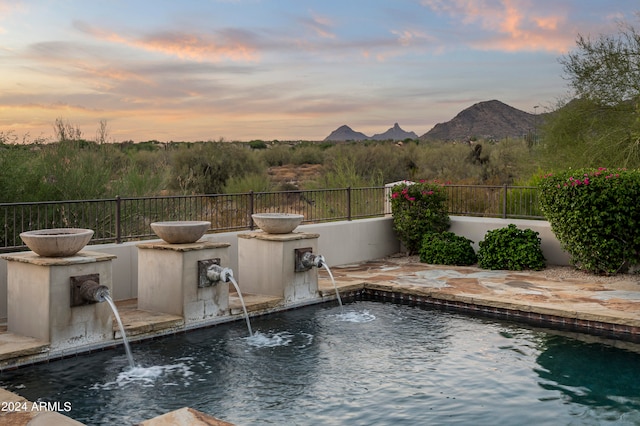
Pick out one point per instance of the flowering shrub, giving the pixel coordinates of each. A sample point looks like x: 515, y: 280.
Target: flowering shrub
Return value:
x: 418, y: 208
x: 511, y: 248
x: 447, y: 248
x: 595, y: 215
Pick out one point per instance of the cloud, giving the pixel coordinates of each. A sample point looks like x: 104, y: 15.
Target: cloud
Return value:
x: 320, y: 25
x: 226, y: 44
x: 510, y: 25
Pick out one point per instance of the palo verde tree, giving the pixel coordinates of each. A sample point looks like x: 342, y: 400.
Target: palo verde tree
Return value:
x: 601, y: 125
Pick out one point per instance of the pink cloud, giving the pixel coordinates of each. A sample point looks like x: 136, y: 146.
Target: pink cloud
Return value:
x: 224, y: 45
x: 510, y: 25
x: 320, y: 25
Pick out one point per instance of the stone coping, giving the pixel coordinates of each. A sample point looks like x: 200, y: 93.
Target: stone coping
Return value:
x: 198, y: 245
x: 78, y: 258
x: 292, y: 236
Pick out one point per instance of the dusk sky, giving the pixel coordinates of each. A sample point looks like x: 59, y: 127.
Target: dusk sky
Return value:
x: 196, y: 70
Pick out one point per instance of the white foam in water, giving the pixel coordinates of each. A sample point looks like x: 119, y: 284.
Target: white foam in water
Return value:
x: 282, y: 338
x: 353, y: 316
x: 146, y: 376
x: 262, y: 340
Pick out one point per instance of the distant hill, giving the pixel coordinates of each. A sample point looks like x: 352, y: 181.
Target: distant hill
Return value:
x: 346, y: 133
x: 394, y: 134
x: 486, y: 120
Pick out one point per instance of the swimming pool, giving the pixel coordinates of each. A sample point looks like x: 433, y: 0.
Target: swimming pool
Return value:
x: 368, y: 364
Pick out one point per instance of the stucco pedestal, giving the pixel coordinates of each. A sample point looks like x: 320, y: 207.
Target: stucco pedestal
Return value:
x: 267, y: 265
x: 168, y: 279
x: 39, y: 299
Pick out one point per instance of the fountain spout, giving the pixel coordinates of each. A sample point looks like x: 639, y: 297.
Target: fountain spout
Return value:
x: 92, y: 292
x: 216, y: 273
x: 309, y: 260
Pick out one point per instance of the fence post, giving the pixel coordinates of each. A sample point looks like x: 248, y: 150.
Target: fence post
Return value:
x: 118, y: 221
x: 504, y: 202
x: 251, y: 224
x: 348, y: 203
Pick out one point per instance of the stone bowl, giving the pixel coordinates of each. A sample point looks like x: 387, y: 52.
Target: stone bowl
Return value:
x: 57, y: 242
x: 277, y: 223
x: 181, y: 231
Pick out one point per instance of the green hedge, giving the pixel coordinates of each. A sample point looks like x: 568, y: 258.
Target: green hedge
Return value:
x: 595, y: 214
x: 511, y: 249
x: 447, y: 248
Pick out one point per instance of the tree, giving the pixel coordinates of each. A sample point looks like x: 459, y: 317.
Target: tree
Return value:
x: 606, y: 70
x: 600, y: 126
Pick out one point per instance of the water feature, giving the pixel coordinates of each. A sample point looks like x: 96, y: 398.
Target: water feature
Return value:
x: 333, y: 281
x: 125, y: 341
x: 218, y: 273
x: 244, y: 307
x: 408, y: 365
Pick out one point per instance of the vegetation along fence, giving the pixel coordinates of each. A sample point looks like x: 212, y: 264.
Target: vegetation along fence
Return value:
x: 123, y: 219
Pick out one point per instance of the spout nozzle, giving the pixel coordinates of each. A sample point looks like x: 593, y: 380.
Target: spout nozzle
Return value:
x: 91, y: 291
x: 309, y: 259
x: 216, y: 273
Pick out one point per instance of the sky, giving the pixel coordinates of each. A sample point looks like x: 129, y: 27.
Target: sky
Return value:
x: 242, y: 70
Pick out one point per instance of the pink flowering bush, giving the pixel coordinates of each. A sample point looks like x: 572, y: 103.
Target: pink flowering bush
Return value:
x: 595, y: 214
x: 418, y: 208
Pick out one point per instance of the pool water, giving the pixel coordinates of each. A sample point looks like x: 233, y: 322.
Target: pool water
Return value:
x: 368, y: 363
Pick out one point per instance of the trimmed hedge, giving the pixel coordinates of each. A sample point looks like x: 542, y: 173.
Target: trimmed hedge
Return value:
x: 595, y: 214
x: 511, y: 249
x: 447, y: 248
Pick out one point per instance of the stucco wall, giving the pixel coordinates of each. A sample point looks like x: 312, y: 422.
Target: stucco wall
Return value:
x: 340, y: 243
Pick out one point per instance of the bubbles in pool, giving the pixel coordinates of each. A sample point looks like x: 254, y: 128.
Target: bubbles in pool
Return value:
x: 356, y: 316
x: 270, y: 340
x: 148, y: 376
x: 281, y: 338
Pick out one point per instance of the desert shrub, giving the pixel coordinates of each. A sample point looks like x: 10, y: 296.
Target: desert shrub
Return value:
x: 512, y: 249
x: 257, y: 144
x: 447, y: 248
x: 418, y: 209
x: 256, y: 182
x: 279, y: 155
x: 204, y: 168
x: 307, y: 154
x: 595, y: 215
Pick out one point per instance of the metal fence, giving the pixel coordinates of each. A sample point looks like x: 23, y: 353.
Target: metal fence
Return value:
x: 121, y: 219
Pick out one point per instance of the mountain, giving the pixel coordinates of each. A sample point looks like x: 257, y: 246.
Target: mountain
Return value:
x: 394, y: 134
x: 487, y: 120
x: 346, y: 133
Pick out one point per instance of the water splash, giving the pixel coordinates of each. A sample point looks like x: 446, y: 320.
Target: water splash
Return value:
x: 127, y: 348
x: 146, y: 376
x: 244, y: 307
x: 282, y: 338
x: 356, y: 317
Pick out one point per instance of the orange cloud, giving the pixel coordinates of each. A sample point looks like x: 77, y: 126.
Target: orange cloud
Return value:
x: 201, y: 47
x: 515, y: 25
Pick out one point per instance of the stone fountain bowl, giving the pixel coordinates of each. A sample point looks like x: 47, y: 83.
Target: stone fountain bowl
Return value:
x: 181, y: 231
x: 57, y: 242
x: 277, y: 223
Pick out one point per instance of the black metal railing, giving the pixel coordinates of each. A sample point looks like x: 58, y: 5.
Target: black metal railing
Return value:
x: 121, y: 219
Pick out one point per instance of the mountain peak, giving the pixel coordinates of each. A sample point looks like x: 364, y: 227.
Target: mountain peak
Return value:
x: 346, y: 133
x: 488, y: 119
x: 395, y: 134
